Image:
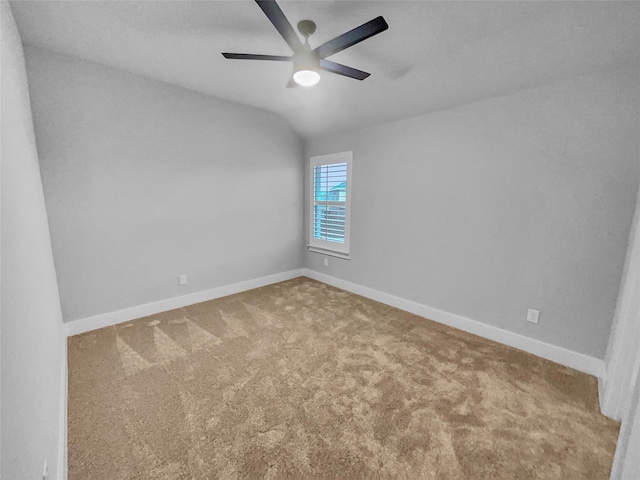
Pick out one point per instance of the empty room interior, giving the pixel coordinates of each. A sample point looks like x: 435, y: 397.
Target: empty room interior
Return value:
x: 260, y: 239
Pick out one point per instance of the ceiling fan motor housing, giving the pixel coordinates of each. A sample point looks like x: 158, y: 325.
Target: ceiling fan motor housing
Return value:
x: 306, y: 60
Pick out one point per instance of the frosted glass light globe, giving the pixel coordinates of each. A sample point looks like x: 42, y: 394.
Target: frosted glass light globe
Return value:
x: 306, y: 78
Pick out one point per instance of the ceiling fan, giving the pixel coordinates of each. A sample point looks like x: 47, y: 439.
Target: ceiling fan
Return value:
x: 307, y: 62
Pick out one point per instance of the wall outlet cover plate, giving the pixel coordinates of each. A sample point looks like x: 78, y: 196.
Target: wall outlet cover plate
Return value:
x: 533, y: 315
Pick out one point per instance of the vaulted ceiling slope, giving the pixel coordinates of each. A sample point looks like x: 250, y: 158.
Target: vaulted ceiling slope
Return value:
x: 435, y: 55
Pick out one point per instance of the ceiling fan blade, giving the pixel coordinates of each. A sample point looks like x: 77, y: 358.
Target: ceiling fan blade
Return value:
x: 340, y: 69
x: 250, y: 56
x: 276, y: 16
x: 358, y: 34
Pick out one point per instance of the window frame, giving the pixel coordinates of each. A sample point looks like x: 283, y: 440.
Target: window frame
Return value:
x: 341, y: 250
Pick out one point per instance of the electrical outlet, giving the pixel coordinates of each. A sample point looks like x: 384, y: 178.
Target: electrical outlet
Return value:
x: 182, y: 279
x: 533, y: 315
x: 326, y: 262
x: 45, y: 471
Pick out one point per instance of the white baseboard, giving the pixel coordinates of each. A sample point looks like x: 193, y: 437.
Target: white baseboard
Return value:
x: 575, y: 360
x: 83, y: 325
x: 578, y: 361
x: 61, y: 468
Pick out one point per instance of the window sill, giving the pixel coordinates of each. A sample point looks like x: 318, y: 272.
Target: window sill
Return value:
x: 331, y: 253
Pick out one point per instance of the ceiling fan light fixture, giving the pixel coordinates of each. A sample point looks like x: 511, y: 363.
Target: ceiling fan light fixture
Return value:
x: 306, y: 78
x: 305, y: 67
x: 307, y: 61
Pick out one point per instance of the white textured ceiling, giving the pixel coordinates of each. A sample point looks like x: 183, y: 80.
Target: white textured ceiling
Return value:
x: 435, y: 55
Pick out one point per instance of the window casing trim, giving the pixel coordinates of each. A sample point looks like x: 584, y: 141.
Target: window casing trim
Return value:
x: 330, y: 253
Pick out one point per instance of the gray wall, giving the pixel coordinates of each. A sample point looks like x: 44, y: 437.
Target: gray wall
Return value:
x: 32, y: 343
x: 145, y: 181
x: 517, y: 202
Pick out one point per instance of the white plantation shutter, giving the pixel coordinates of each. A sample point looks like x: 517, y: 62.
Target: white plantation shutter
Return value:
x: 330, y: 203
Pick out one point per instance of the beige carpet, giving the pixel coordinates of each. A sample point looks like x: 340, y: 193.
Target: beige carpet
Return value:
x: 303, y: 379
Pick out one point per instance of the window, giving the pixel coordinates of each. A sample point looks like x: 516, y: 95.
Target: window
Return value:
x: 330, y: 204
